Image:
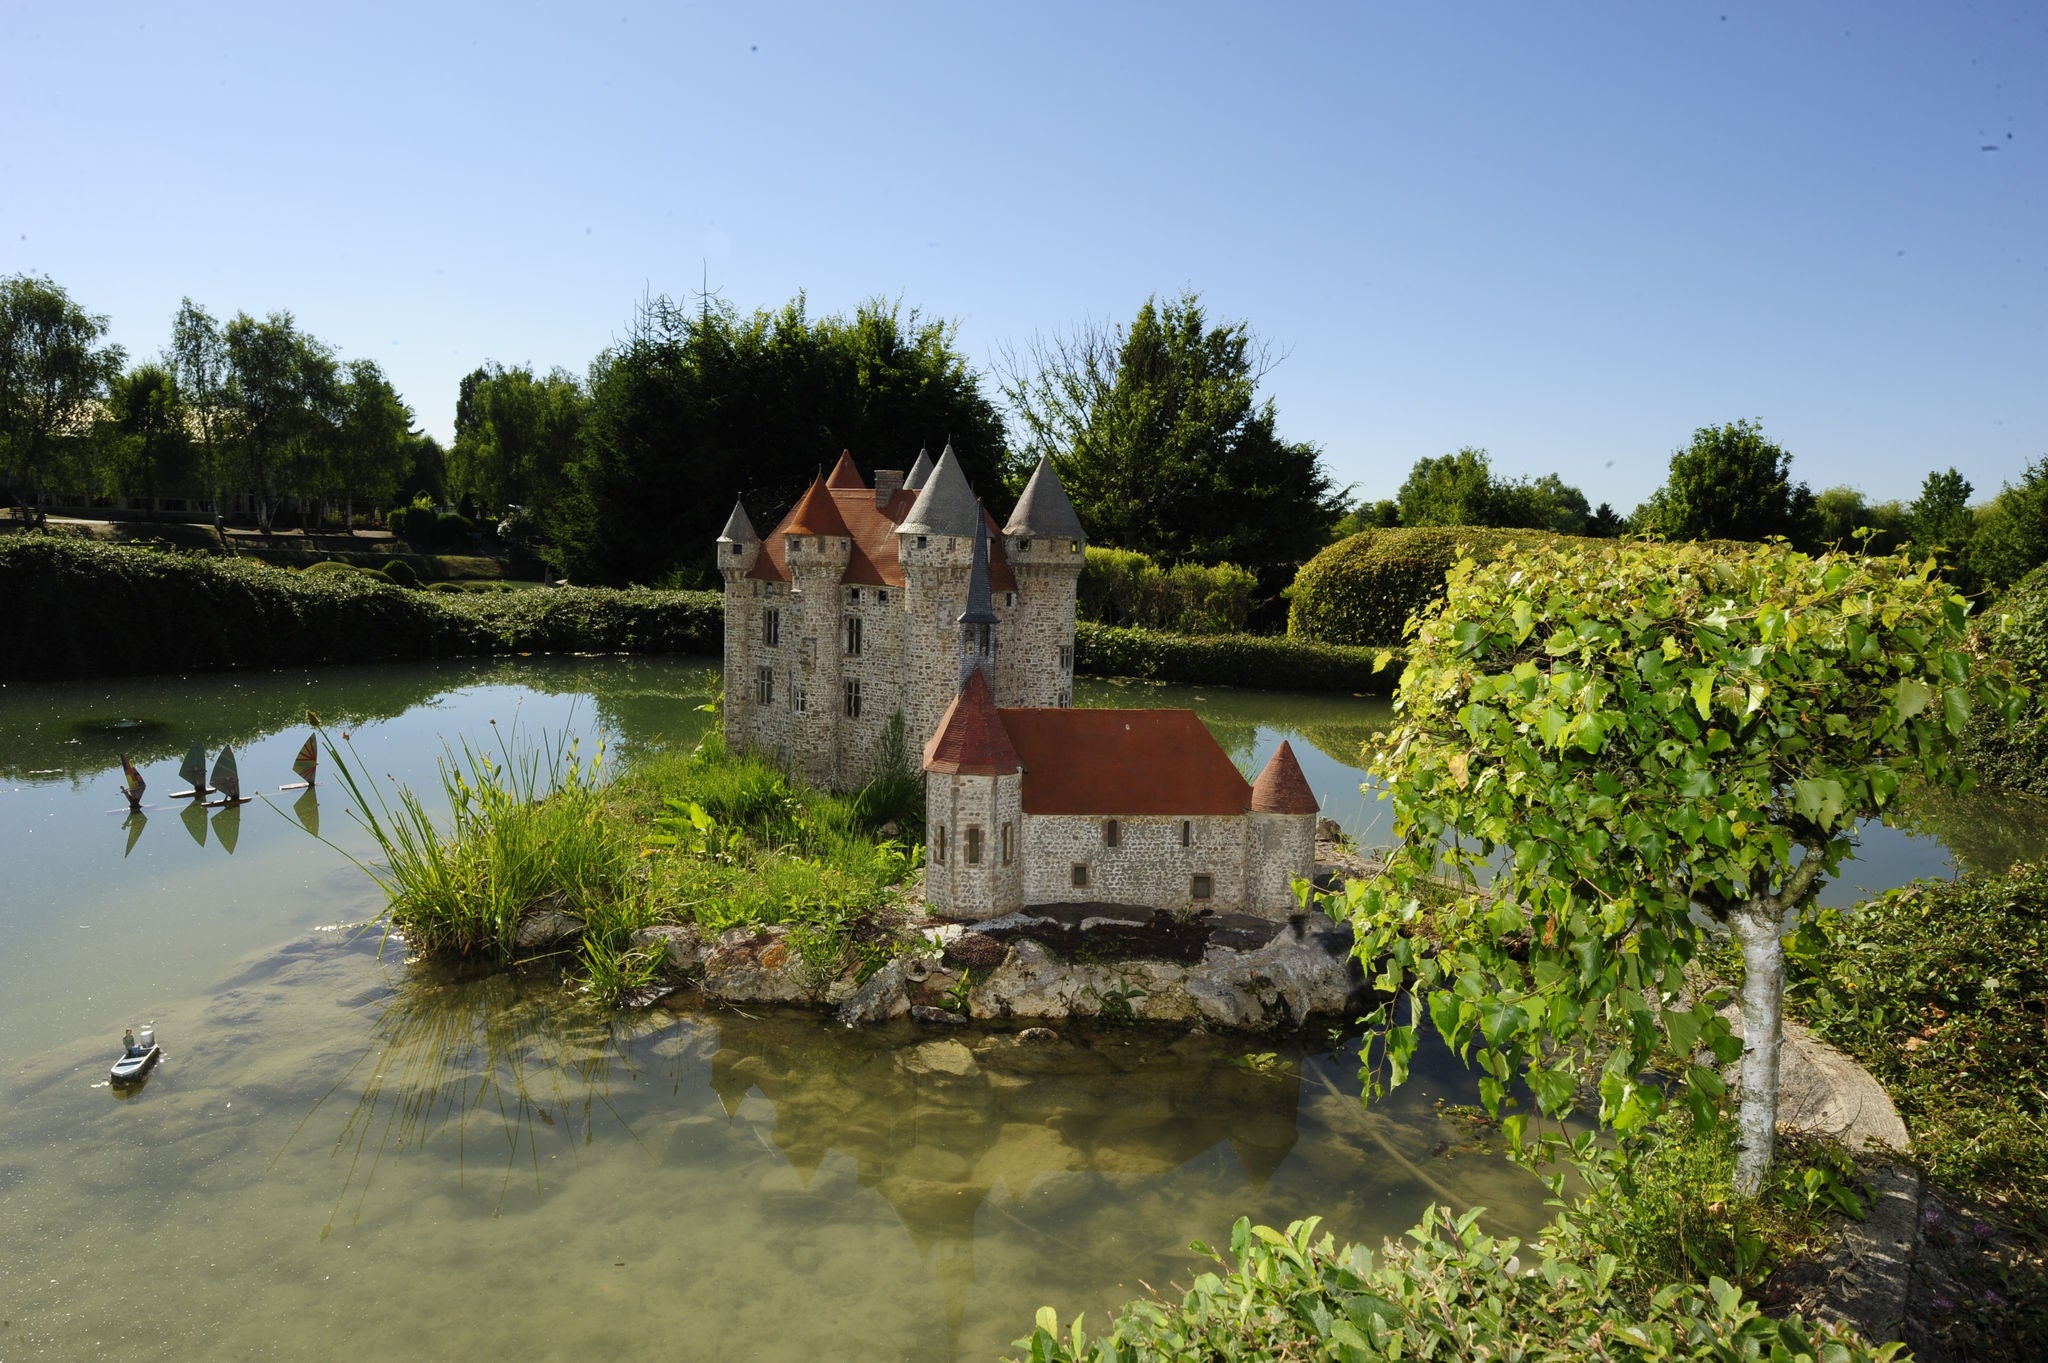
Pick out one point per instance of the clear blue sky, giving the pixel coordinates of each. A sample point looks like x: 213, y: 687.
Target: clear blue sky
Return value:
x: 1567, y: 233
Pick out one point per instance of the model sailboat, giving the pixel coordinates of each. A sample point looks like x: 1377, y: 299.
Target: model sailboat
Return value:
x: 306, y: 764
x: 227, y: 780
x: 193, y: 773
x: 133, y: 785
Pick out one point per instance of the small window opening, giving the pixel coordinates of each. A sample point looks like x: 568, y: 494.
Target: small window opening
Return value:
x: 1009, y: 845
x: 1112, y: 833
x: 973, y: 845
x: 1080, y: 875
x: 1203, y: 888
x: 939, y: 844
x: 764, y: 685
x: 1187, y: 832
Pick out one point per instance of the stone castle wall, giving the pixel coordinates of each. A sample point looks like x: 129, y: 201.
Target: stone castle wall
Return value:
x: 1279, y: 849
x: 1148, y: 867
x: 958, y: 881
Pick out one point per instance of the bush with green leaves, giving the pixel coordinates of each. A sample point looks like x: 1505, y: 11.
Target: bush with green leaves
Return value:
x: 1124, y: 587
x: 401, y: 573
x: 1451, y: 1292
x: 1227, y: 660
x: 2015, y: 755
x: 452, y: 530
x: 1650, y: 741
x: 1365, y: 589
x: 334, y: 567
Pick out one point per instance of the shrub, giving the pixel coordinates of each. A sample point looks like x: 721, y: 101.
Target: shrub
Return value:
x: 2016, y: 756
x: 1228, y: 660
x: 337, y: 568
x: 416, y: 525
x: 1124, y: 587
x: 1451, y: 1292
x: 452, y: 530
x: 1363, y: 590
x: 401, y: 573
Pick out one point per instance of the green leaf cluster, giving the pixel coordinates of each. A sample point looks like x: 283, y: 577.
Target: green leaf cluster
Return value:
x: 1363, y: 591
x: 1637, y: 739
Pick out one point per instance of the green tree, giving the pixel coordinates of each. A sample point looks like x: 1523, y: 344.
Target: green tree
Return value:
x: 2011, y: 536
x: 1839, y: 512
x: 1460, y: 489
x: 515, y: 435
x: 1161, y: 441
x: 148, y: 417
x: 284, y: 389
x: 1939, y: 521
x: 198, y: 357
x: 1647, y: 738
x: 373, y: 439
x: 52, y: 370
x: 699, y: 406
x: 1732, y: 484
x: 1605, y: 523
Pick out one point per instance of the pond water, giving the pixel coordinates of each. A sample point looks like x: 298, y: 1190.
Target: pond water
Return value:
x: 343, y: 1150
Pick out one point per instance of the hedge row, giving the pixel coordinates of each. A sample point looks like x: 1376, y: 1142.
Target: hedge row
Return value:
x: 1363, y: 589
x: 2016, y: 631
x: 1229, y: 660
x: 81, y: 609
x: 1125, y: 587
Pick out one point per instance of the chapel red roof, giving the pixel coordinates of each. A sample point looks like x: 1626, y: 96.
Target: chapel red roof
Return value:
x: 971, y: 739
x: 1123, y: 762
x: 1281, y: 788
x: 872, y: 529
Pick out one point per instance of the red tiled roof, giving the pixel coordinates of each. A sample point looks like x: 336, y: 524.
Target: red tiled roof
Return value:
x: 1123, y: 762
x: 816, y: 514
x: 872, y: 528
x: 1281, y: 788
x: 844, y: 474
x: 970, y: 739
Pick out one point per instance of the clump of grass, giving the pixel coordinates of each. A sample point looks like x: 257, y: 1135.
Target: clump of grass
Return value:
x: 526, y: 825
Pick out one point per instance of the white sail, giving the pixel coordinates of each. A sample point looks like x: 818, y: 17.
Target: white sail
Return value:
x: 226, y: 779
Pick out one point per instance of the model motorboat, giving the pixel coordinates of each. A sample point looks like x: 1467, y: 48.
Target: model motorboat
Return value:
x: 140, y: 1054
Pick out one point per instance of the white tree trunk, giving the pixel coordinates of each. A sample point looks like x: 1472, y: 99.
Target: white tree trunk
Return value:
x: 1763, y: 1030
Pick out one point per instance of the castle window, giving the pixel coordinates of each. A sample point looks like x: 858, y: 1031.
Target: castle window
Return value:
x: 1065, y: 699
x: 1202, y: 888
x: 1009, y: 845
x: 1080, y: 875
x: 1009, y: 598
x: 1187, y: 832
x: 1023, y: 546
x: 736, y: 550
x: 771, y: 627
x: 1112, y: 833
x: 795, y: 544
x: 920, y: 541
x: 802, y: 703
x: 1073, y: 546
x: 809, y: 649
x: 764, y: 685
x: 882, y: 596
x: 973, y: 845
x: 853, y: 636
x: 1066, y: 657
x: 853, y: 698
x: 939, y: 844
x: 854, y: 596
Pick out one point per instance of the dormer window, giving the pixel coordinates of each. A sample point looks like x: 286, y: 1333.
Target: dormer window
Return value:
x: 795, y: 544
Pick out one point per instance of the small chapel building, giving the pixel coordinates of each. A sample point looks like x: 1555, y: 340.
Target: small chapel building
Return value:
x: 864, y: 604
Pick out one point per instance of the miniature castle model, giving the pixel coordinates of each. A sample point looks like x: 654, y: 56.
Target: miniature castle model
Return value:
x: 865, y: 604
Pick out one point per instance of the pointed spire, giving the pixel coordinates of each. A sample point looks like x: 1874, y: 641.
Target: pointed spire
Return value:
x: 845, y: 475
x: 946, y: 505
x: 919, y: 472
x: 1045, y: 510
x: 1281, y: 788
x: 815, y: 514
x: 971, y: 739
x: 981, y: 606
x: 738, y: 529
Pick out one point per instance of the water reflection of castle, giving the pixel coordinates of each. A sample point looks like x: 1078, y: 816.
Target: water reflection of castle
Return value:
x: 937, y: 1127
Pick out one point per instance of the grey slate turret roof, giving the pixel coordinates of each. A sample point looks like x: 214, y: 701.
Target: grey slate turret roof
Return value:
x: 919, y: 472
x: 738, y: 529
x: 981, y: 605
x: 946, y: 505
x: 1044, y: 509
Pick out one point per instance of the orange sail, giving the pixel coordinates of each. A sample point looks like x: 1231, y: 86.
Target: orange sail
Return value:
x: 135, y: 782
x: 307, y: 763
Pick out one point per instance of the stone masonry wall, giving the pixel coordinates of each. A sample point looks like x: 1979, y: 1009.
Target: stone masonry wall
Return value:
x: 992, y: 884
x: 1039, y: 635
x: 1280, y: 848
x: 1148, y: 867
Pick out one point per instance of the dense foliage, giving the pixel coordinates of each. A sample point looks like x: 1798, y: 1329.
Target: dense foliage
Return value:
x: 1652, y: 737
x: 1364, y: 590
x: 1124, y: 587
x: 1226, y: 660
x: 52, y: 366
x: 1452, y: 1292
x: 1941, y: 990
x: 1161, y: 440
x: 1461, y: 489
x: 2015, y: 755
x: 1729, y: 483
x: 515, y: 435
x: 695, y: 408
x: 86, y: 609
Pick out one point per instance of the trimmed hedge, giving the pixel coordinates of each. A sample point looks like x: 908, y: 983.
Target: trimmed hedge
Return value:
x: 1125, y: 587
x: 1229, y: 660
x: 81, y: 609
x: 1362, y: 590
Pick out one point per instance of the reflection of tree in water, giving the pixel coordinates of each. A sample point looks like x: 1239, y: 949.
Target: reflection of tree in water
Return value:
x: 494, y: 1063
x: 1987, y: 830
x: 936, y: 1126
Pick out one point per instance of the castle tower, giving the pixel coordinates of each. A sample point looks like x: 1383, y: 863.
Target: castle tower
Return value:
x: 935, y: 546
x: 978, y: 622
x: 738, y: 547
x: 1046, y: 547
x: 974, y: 809
x: 818, y: 547
x: 1280, y: 842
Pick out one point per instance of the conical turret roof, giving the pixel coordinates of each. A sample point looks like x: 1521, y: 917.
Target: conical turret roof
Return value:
x: 844, y: 474
x: 981, y: 605
x: 970, y: 739
x: 816, y: 514
x: 1045, y: 509
x: 1281, y: 788
x: 946, y: 506
x: 738, y: 528
x: 919, y: 472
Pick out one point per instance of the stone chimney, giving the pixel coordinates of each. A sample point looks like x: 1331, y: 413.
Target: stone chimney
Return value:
x: 886, y: 483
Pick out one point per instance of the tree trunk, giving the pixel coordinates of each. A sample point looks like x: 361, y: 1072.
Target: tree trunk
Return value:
x: 1763, y: 1030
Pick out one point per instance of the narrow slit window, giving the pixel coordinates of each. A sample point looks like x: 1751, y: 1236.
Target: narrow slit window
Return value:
x: 853, y: 698
x: 1009, y: 845
x: 771, y: 628
x: 854, y: 636
x: 764, y: 685
x: 1187, y: 832
x: 973, y: 844
x: 1112, y: 833
x: 939, y: 844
